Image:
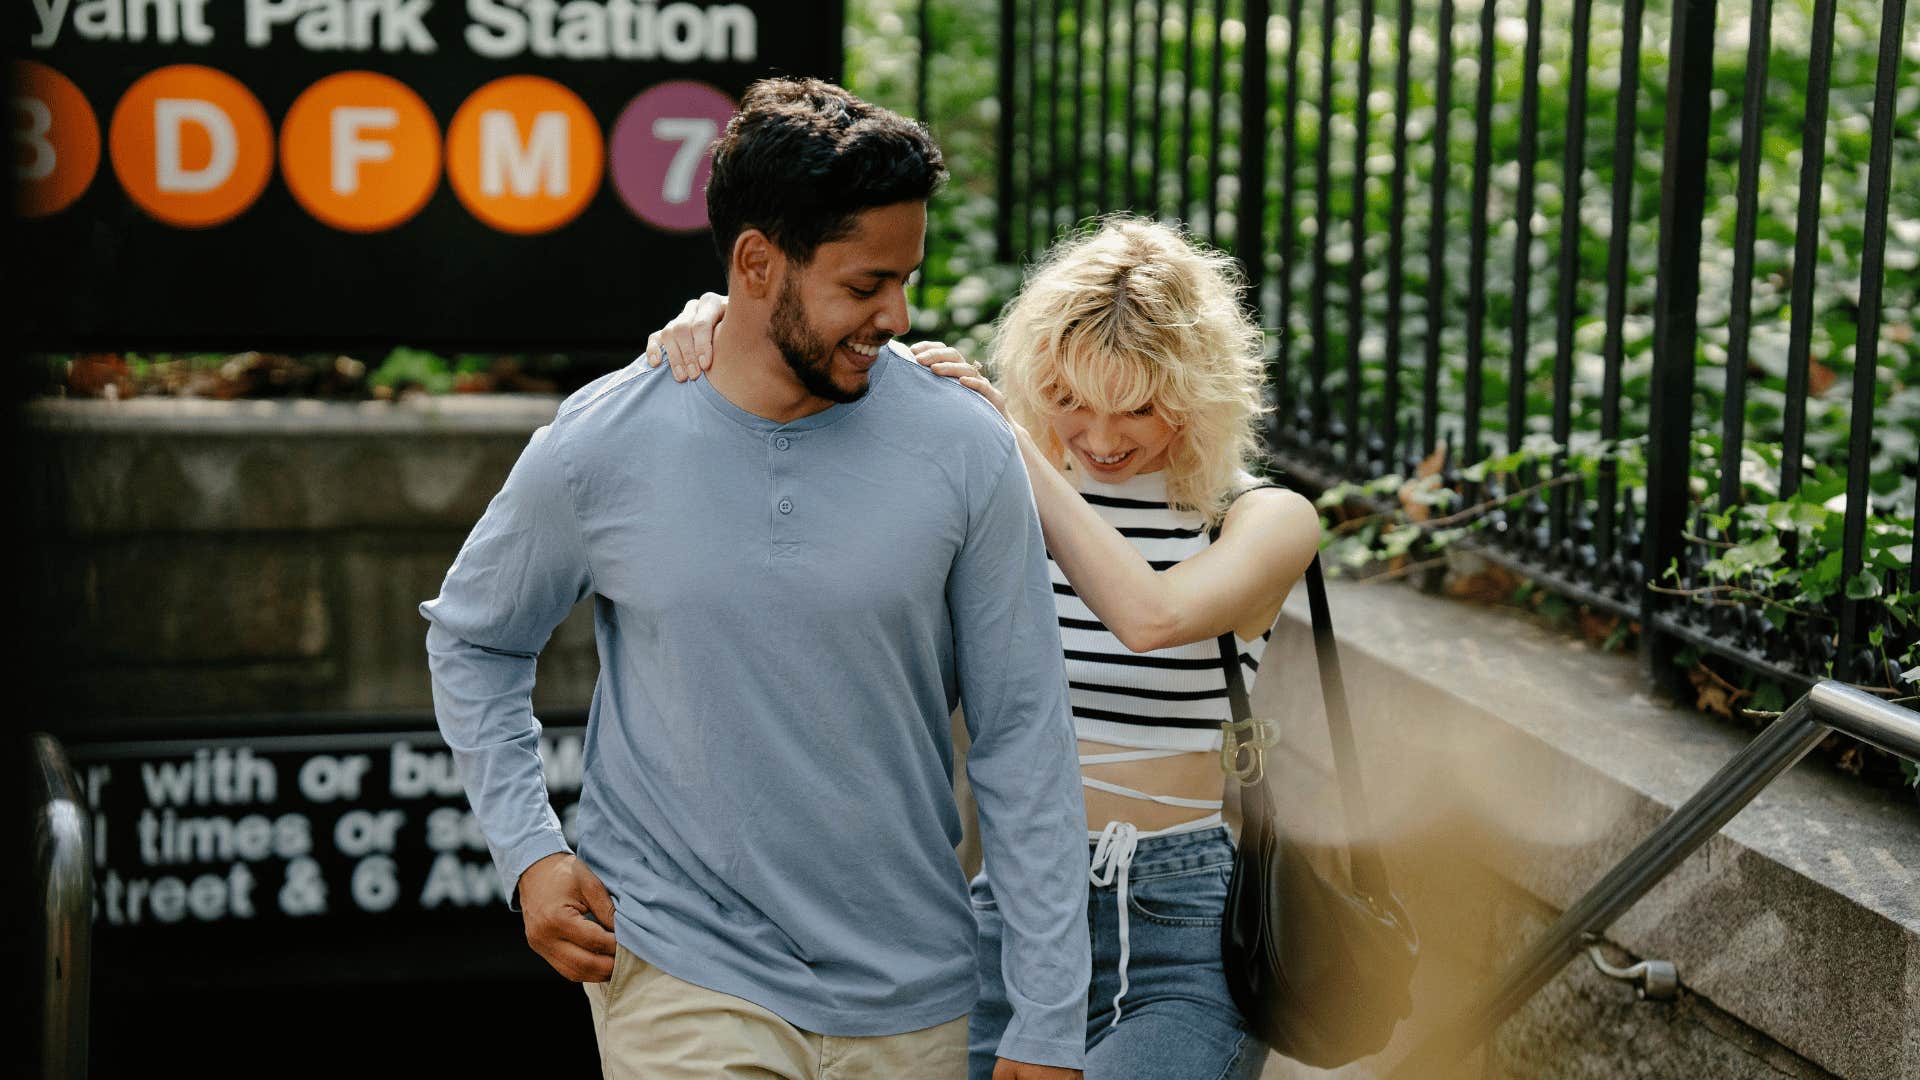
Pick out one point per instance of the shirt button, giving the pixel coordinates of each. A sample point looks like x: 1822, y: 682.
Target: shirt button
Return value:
x: 782, y: 443
x: 786, y: 506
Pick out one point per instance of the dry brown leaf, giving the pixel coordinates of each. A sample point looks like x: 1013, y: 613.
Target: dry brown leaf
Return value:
x: 1597, y: 627
x: 1715, y: 700
x: 1819, y: 377
x: 99, y: 375
x: 1715, y: 694
x: 1852, y: 760
x: 1430, y: 467
x: 1492, y: 585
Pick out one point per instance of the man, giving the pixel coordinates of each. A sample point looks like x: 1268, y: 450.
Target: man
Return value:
x: 798, y: 566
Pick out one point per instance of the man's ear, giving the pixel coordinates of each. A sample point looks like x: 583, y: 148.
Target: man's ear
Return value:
x: 756, y: 264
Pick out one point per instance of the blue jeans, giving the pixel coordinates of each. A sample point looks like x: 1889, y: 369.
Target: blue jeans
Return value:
x: 1177, y: 1021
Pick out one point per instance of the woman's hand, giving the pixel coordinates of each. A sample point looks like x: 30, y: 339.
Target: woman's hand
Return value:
x: 686, y: 343
x: 943, y: 359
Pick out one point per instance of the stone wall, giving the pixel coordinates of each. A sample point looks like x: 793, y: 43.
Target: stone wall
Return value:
x: 1511, y: 766
x: 266, y: 557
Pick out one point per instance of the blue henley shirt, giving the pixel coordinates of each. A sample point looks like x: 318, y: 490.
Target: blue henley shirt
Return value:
x: 786, y: 614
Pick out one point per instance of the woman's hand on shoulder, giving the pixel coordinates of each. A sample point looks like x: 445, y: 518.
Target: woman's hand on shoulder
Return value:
x: 943, y: 359
x: 686, y: 343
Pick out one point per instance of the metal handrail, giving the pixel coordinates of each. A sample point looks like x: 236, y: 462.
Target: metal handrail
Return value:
x: 63, y: 876
x: 1828, y: 706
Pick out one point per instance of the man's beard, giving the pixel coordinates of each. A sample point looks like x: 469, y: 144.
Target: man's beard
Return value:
x: 810, y: 358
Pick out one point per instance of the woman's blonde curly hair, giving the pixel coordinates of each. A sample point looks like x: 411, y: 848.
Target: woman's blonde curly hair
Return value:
x: 1135, y: 312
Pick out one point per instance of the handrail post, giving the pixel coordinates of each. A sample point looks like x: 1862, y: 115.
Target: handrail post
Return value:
x: 63, y: 880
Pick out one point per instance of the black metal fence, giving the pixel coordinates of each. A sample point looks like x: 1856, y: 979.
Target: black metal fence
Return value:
x: 1330, y: 147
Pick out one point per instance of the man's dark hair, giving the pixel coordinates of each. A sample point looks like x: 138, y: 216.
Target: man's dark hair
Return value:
x: 802, y: 158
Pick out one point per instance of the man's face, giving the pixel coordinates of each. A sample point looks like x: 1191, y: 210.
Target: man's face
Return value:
x: 834, y: 313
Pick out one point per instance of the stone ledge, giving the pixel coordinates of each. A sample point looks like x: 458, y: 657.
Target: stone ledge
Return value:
x: 262, y: 557
x: 420, y: 414
x: 179, y: 465
x: 1498, y: 750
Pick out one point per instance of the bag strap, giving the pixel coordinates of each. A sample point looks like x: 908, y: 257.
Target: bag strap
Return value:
x: 1363, y: 852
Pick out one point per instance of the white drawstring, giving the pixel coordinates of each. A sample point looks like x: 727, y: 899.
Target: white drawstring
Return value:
x: 1112, y: 857
x: 1114, y: 846
x: 1163, y: 800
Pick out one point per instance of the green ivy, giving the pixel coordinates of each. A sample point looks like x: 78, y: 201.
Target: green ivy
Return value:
x: 414, y: 367
x: 1745, y: 559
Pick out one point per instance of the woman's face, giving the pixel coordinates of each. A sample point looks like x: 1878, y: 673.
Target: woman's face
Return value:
x: 1113, y: 447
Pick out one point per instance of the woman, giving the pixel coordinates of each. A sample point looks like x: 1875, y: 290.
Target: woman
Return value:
x: 1132, y: 377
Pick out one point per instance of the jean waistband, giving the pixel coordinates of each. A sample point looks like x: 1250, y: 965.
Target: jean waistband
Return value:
x: 1122, y: 854
x: 1157, y: 855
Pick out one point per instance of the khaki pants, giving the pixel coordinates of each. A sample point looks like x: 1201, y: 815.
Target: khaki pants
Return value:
x: 652, y: 1026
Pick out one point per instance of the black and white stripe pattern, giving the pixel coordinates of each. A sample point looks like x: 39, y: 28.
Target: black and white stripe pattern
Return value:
x: 1167, y: 699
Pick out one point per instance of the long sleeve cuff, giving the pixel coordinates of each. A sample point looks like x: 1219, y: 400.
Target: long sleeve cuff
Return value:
x: 1068, y: 1054
x: 513, y: 863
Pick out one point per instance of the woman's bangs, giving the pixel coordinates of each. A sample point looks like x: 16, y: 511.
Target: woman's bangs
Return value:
x: 1094, y: 376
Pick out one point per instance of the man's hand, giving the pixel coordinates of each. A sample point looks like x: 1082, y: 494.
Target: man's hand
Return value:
x: 1020, y: 1070
x: 569, y: 917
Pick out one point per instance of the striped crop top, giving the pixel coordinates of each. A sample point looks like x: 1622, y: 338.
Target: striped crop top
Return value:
x: 1168, y: 699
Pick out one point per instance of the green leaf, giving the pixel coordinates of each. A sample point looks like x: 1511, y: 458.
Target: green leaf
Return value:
x: 418, y: 366
x: 1820, y: 580
x: 1554, y: 607
x: 1429, y: 493
x: 1890, y: 558
x: 1508, y: 462
x: 1337, y: 495
x: 1884, y: 537
x: 1796, y: 516
x: 1747, y: 558
x: 1768, y: 697
x: 1824, y: 486
x: 1397, y: 542
x: 1876, y: 636
x: 1864, y: 585
x: 1385, y: 485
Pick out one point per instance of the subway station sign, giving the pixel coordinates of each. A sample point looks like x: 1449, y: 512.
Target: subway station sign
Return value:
x: 348, y: 837
x: 321, y: 173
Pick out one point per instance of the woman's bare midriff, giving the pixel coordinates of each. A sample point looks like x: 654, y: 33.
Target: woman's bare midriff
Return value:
x: 1194, y: 775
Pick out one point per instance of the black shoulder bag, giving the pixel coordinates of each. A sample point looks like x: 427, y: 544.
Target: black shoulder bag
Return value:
x: 1320, y: 968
